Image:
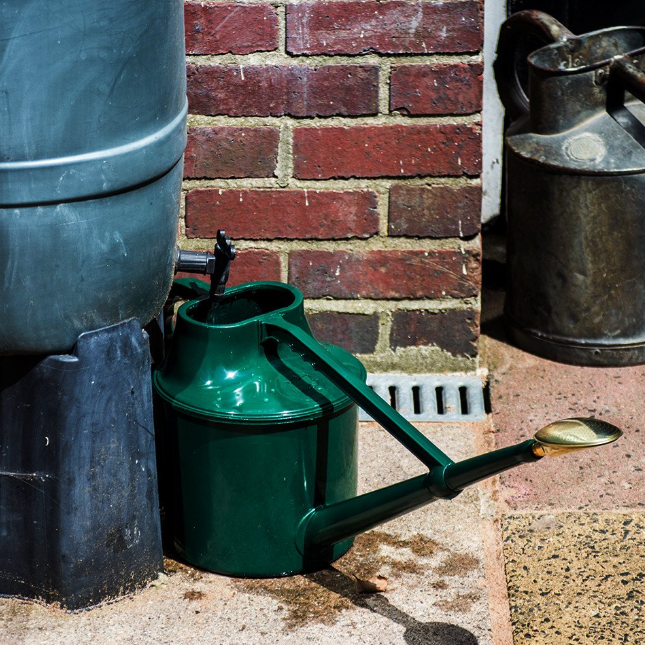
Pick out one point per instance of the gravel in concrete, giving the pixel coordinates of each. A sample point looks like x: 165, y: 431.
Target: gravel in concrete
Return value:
x: 576, y: 577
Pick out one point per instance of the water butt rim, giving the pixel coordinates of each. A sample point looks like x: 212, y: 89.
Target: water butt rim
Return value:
x: 94, y: 173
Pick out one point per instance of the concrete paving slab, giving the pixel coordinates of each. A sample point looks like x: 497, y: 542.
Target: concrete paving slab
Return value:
x: 527, y: 392
x: 432, y: 558
x: 572, y: 527
x: 573, y: 561
x: 576, y: 577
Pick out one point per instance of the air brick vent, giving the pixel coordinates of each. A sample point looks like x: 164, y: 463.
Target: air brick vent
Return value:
x: 430, y: 397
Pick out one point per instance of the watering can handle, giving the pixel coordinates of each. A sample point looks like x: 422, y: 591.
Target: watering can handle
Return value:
x: 326, y: 525
x: 355, y: 388
x: 523, y: 23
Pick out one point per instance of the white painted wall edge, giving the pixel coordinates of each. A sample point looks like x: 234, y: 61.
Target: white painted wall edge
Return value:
x: 493, y: 115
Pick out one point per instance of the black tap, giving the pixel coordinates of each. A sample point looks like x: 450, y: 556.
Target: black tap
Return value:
x: 216, y: 264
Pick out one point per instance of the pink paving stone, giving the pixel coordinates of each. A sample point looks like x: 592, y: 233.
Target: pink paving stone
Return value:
x: 528, y: 392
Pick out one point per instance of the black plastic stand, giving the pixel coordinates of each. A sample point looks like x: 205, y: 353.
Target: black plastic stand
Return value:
x: 79, y: 513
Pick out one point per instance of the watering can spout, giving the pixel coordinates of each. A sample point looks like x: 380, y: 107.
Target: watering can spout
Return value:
x: 328, y: 525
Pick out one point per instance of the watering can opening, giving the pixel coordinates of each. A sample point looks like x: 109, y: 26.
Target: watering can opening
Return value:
x: 240, y: 306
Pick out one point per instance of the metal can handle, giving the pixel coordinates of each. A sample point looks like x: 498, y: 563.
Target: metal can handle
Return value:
x: 523, y: 23
x: 629, y: 76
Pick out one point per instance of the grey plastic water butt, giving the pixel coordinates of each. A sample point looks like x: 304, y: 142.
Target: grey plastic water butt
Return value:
x: 92, y: 116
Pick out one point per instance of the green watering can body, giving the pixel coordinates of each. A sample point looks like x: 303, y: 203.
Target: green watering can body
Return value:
x: 260, y: 447
x: 255, y: 438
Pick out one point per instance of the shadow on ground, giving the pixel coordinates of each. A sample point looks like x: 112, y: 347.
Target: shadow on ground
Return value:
x: 416, y: 632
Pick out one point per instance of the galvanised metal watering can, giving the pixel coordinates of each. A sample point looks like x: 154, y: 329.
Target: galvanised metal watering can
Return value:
x: 261, y: 444
x: 575, y: 191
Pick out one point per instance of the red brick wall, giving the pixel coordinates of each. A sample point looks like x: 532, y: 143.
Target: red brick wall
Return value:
x: 339, y: 144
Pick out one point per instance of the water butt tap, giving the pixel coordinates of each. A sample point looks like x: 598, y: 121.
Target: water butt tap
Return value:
x: 217, y: 265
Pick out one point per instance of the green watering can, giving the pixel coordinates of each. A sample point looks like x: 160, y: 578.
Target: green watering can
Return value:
x: 261, y: 439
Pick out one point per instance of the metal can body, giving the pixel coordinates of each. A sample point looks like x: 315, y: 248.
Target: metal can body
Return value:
x: 92, y: 114
x: 576, y: 265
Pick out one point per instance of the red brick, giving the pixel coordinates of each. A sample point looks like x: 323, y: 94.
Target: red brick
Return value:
x: 437, y: 89
x: 288, y: 214
x: 226, y: 27
x: 386, y: 274
x: 255, y: 264
x: 357, y: 333
x: 384, y: 27
x: 455, y: 331
x: 249, y: 265
x: 435, y: 211
x: 267, y: 90
x: 387, y: 151
x: 224, y: 152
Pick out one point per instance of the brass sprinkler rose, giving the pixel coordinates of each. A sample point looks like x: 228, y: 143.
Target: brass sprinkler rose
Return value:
x: 568, y: 435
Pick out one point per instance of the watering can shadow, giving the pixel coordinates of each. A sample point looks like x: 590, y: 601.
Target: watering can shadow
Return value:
x: 431, y: 633
x: 261, y: 440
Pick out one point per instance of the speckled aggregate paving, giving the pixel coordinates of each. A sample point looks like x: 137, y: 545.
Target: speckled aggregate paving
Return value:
x: 576, y: 577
